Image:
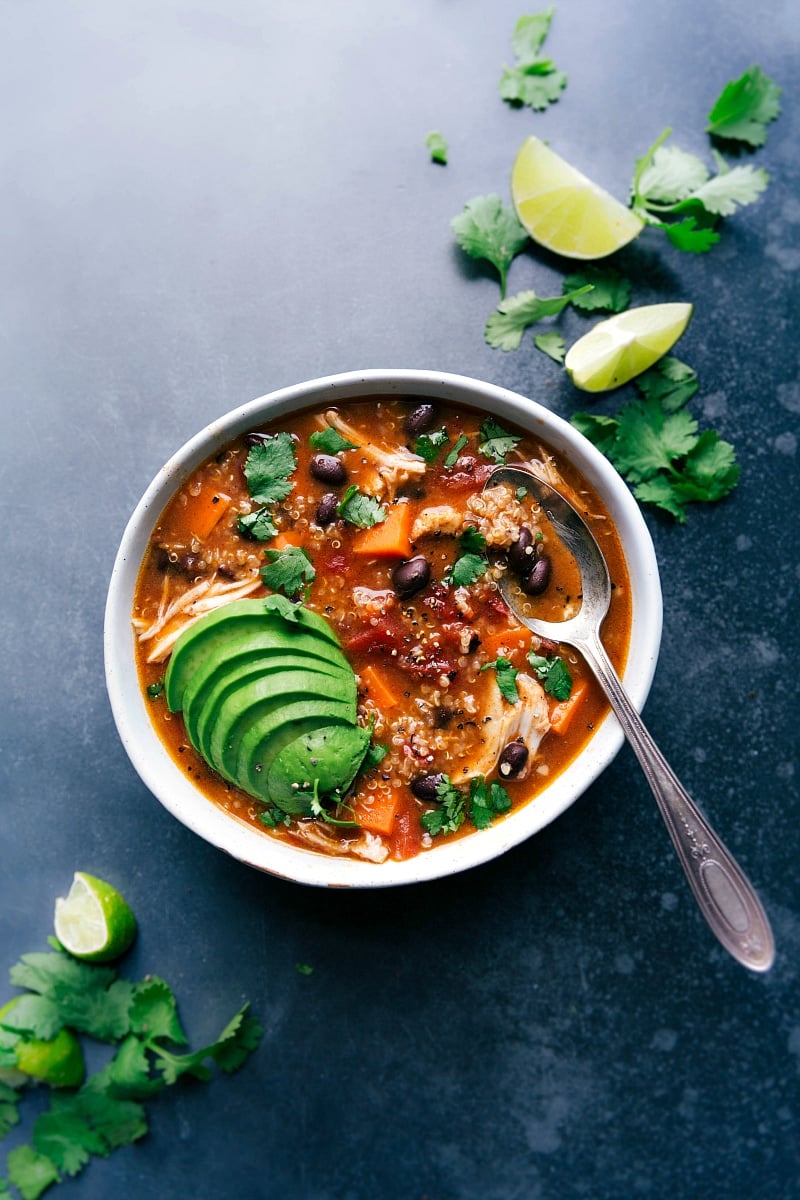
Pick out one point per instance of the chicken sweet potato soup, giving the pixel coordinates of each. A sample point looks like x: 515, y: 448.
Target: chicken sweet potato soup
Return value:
x: 323, y: 644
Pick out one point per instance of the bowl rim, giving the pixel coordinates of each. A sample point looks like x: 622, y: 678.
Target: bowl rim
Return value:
x: 232, y: 834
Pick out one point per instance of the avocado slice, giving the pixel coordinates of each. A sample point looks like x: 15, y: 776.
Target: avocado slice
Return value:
x: 207, y: 689
x: 323, y: 762
x: 242, y: 708
x: 203, y: 637
x: 257, y: 752
x: 260, y: 724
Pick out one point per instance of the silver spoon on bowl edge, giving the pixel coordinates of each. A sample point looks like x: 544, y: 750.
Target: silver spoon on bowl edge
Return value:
x: 726, y: 898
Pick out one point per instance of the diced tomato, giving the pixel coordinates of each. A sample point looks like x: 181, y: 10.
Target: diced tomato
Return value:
x: 469, y: 474
x: 377, y: 639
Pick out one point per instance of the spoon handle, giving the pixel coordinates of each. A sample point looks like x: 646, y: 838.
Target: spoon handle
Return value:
x: 726, y: 898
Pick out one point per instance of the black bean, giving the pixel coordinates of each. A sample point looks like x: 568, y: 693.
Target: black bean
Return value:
x: 327, y: 508
x: 410, y: 576
x: 537, y: 579
x: 522, y: 552
x: 513, y: 759
x: 328, y: 468
x: 420, y: 419
x: 425, y: 787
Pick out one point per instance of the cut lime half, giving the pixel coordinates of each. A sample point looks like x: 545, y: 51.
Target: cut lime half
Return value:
x: 622, y: 347
x: 563, y: 210
x: 94, y: 922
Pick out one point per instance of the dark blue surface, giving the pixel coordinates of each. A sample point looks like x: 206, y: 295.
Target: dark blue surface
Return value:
x: 203, y: 201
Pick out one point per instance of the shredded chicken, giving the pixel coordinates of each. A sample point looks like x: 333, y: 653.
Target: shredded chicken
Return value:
x: 526, y: 721
x: 393, y: 467
x: 441, y: 519
x: 369, y: 846
x: 176, y: 615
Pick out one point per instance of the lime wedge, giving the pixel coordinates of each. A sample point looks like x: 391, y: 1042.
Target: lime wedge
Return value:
x: 93, y: 921
x: 58, y: 1061
x: 622, y: 347
x: 564, y: 211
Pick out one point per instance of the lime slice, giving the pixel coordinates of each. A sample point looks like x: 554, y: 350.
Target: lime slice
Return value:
x: 564, y: 211
x: 93, y: 921
x: 622, y: 347
x: 58, y: 1061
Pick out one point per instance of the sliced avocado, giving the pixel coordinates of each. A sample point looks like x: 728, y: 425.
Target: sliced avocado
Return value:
x: 322, y: 763
x: 259, y: 724
x: 206, y: 690
x: 242, y: 617
x: 258, y: 752
x: 240, y: 710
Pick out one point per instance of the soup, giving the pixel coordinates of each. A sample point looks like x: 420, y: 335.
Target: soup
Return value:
x: 323, y: 644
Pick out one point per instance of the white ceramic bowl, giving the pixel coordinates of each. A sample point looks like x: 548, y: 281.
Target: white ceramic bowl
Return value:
x: 267, y: 853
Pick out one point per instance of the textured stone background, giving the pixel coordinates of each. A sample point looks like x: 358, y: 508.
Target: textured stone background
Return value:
x: 206, y: 200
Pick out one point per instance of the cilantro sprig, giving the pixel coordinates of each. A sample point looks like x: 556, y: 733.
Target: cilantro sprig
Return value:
x: 471, y: 562
x: 553, y: 674
x: 506, y: 674
x: 288, y: 570
x: 330, y: 441
x: 267, y: 469
x: 496, y: 442
x: 533, y: 80
x: 358, y: 508
x: 437, y: 146
x: 744, y: 108
x: 505, y: 327
x: 487, y: 228
x: 108, y: 1110
x: 481, y: 803
x: 429, y: 445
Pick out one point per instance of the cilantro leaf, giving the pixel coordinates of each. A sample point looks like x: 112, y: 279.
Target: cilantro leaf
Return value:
x: 67, y: 1139
x: 128, y: 1074
x: 154, y: 1012
x: 668, y: 175
x: 437, y: 146
x: 283, y: 608
x: 506, y: 678
x: 600, y: 430
x: 608, y: 290
x: 237, y: 1041
x: 671, y: 382
x: 745, y: 107
x: 496, y: 442
x: 533, y: 80
x: 486, y: 801
x: 505, y: 327
x: 9, y: 1111
x: 650, y: 440
x: 488, y: 229
x: 449, y: 815
x: 288, y: 570
x: 258, y: 524
x: 267, y: 468
x: 30, y: 1173
x: 466, y: 569
x: 330, y: 441
x: 723, y: 193
x: 359, y: 509
x: 553, y: 674
x: 89, y: 999
x: 428, y: 445
x: 452, y: 457
x: 690, y: 236
x: 551, y: 344
x: 36, y: 1016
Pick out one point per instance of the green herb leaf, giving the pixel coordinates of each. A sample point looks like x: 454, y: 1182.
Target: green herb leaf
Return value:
x: 551, y: 344
x: 553, y: 674
x: 533, y: 80
x: 689, y: 236
x: 650, y: 440
x: 67, y: 1139
x: 428, y: 445
x: 452, y: 457
x: 284, y: 608
x: 9, y: 1110
x: 489, y: 229
x: 496, y: 442
x: 745, y: 107
x: 600, y: 430
x: 30, y: 1173
x: 608, y: 290
x: 154, y: 690
x: 89, y: 999
x: 449, y: 815
x: 505, y: 327
x: 671, y: 382
x: 257, y: 524
x: 154, y: 1012
x: 506, y: 674
x: 359, y: 509
x: 471, y: 563
x: 724, y: 193
x: 237, y: 1041
x: 288, y: 570
x: 486, y: 801
x: 330, y: 441
x: 268, y: 467
x: 437, y: 146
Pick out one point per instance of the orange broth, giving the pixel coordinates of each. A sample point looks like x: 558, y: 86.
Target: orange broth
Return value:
x: 418, y: 660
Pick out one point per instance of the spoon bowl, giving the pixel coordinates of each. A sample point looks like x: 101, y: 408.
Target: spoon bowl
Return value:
x: 725, y: 896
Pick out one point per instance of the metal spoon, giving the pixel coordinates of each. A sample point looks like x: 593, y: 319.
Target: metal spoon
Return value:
x: 725, y: 896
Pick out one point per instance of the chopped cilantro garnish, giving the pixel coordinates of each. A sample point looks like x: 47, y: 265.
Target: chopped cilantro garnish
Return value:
x: 610, y: 291
x: 283, y: 608
x: 551, y: 344
x: 471, y: 562
x: 671, y: 382
x: 505, y: 327
x: 267, y: 469
x: 303, y: 969
x: 496, y: 442
x: 553, y: 674
x: 154, y: 690
x: 533, y: 80
x: 258, y: 524
x: 452, y: 457
x: 482, y: 803
x: 359, y: 509
x: 437, y: 146
x: 288, y: 570
x: 487, y: 801
x: 489, y: 229
x: 506, y: 678
x: 330, y: 441
x: 745, y: 107
x: 428, y: 445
